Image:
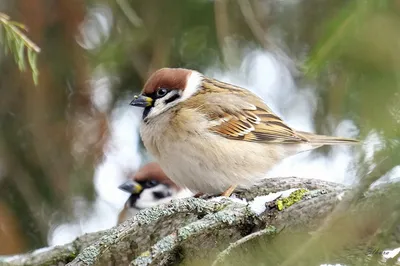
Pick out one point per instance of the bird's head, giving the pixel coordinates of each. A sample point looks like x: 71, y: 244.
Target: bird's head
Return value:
x: 166, y: 88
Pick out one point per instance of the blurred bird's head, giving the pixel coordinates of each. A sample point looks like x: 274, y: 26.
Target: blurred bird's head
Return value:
x: 149, y: 190
x: 146, y: 194
x: 149, y: 187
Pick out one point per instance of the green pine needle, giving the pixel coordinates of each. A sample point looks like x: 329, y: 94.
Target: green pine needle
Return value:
x: 17, y: 43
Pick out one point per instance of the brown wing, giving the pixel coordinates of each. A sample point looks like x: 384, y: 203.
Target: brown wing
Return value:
x: 259, y: 125
x: 236, y: 113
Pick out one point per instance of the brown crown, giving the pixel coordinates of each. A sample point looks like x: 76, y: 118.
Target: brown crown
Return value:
x: 169, y: 78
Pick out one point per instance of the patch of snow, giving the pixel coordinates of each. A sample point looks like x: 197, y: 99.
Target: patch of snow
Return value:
x: 258, y: 204
x: 232, y: 198
x: 238, y: 200
x: 390, y: 253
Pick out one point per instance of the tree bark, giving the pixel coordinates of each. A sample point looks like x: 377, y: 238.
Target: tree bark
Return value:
x: 201, y: 231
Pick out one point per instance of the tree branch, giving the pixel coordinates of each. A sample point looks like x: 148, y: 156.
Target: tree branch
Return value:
x: 213, y: 231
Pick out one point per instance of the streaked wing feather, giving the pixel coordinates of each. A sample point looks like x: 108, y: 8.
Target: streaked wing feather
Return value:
x: 258, y: 125
x: 244, y: 117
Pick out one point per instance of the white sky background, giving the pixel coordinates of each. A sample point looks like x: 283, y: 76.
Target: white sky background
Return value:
x: 263, y: 73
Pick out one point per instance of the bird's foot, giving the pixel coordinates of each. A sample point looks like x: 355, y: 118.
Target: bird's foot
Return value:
x: 227, y: 193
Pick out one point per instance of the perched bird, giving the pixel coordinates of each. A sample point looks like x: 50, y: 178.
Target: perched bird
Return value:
x: 147, y: 188
x: 210, y: 136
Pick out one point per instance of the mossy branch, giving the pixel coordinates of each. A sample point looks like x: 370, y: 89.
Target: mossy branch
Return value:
x: 18, y: 43
x: 320, y: 222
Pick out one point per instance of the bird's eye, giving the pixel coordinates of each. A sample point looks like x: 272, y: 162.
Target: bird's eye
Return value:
x: 161, y: 92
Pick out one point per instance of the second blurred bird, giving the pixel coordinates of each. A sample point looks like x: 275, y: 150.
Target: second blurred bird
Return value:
x: 149, y: 187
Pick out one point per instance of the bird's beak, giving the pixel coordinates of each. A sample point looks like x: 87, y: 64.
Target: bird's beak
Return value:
x: 142, y: 101
x: 131, y: 187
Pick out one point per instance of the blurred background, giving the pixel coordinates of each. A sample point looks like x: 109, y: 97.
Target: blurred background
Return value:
x: 68, y: 141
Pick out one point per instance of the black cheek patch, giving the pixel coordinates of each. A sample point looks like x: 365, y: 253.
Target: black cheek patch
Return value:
x: 173, y: 98
x: 132, y: 200
x: 146, y: 111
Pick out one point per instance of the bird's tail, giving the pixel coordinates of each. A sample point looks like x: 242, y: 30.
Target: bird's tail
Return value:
x: 326, y: 140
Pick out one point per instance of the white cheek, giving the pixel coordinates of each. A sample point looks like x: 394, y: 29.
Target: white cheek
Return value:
x: 158, y: 108
x: 147, y: 199
x: 192, y: 86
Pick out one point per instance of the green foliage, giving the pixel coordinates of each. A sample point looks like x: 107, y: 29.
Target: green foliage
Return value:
x: 15, y: 41
x: 358, y: 61
x: 339, y: 31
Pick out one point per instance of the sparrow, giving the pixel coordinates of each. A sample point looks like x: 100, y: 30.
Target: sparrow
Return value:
x: 214, y: 137
x: 147, y: 188
x: 153, y: 172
